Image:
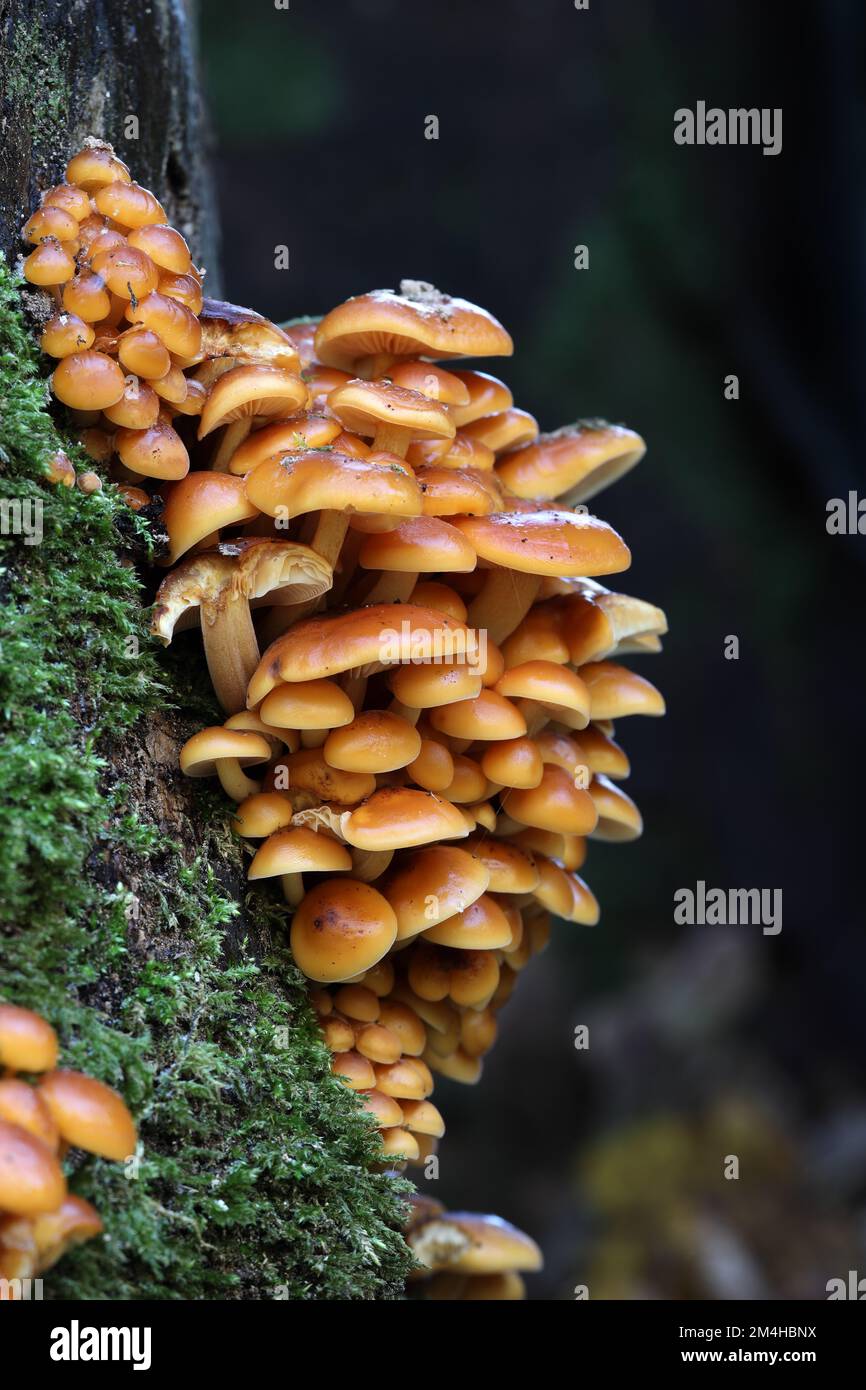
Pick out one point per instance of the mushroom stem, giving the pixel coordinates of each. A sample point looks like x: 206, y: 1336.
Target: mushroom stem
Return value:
x: 404, y: 711
x: 235, y: 782
x: 344, y: 571
x: 328, y: 537
x: 369, y: 368
x: 232, y: 438
x: 355, y: 685
x: 368, y: 864
x: 392, y: 439
x: 313, y: 738
x: 503, y: 602
x: 392, y: 587
x: 231, y: 649
x: 293, y: 888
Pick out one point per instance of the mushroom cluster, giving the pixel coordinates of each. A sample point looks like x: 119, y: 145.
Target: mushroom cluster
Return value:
x: 39, y: 1120
x: 397, y: 580
x: 427, y: 743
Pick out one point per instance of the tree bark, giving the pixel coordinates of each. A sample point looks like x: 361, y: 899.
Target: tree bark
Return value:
x: 124, y: 73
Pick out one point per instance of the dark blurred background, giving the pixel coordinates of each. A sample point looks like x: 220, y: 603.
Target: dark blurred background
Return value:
x: 556, y: 129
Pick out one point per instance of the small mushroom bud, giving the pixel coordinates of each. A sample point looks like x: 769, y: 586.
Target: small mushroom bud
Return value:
x: 50, y: 264
x: 88, y: 381
x: 178, y: 328
x: 66, y: 333
x: 96, y: 166
x: 89, y: 483
x: 27, y: 1041
x: 87, y: 297
x: 129, y: 273
x: 165, y: 247
x: 128, y: 204
x: 91, y: 228
x: 141, y: 351
x: 50, y: 222
x: 184, y: 288
x: 137, y: 409
x: 89, y: 1114
x: 105, y: 241
x: 60, y: 469
x: 70, y: 199
x: 158, y: 452
x: 134, y: 497
x: 97, y: 445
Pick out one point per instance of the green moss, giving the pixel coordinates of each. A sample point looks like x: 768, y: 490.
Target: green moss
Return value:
x: 124, y: 921
x: 36, y: 84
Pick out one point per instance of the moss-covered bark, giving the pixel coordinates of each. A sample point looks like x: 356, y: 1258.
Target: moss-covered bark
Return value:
x: 123, y: 913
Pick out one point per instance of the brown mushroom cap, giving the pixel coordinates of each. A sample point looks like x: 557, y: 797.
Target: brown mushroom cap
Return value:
x: 403, y: 1020
x: 400, y: 817
x: 88, y: 381
x: 487, y: 717
x: 547, y: 542
x: 304, y: 431
x: 327, y: 646
x: 615, y: 691
x: 354, y: 1071
x: 309, y: 482
x: 514, y: 762
x: 27, y: 1041
x: 457, y: 491
x: 482, y: 926
x: 89, y: 1114
x: 202, y: 503
x: 96, y: 164
x: 429, y: 887
x: 618, y: 817
x: 433, y: 769
x: 487, y: 396
x: 429, y: 380
x: 297, y: 850
x: 341, y: 928
x: 555, y: 804
x: 375, y: 741
x: 555, y: 687
x: 65, y: 334
x: 427, y: 686
x: 365, y: 406
x: 419, y: 545
x: 573, y: 463
x: 49, y: 264
x: 493, y: 1245
x: 417, y: 321
x: 74, y: 1222
x: 165, y: 247
x: 315, y: 704
x: 261, y: 814
x: 308, y: 771
x: 201, y: 753
x: 509, y: 429
x: 31, y: 1180
x: 250, y: 390
x: 385, y: 1110
x: 510, y: 869
x: 155, y: 452
x: 22, y: 1105
x: 174, y: 323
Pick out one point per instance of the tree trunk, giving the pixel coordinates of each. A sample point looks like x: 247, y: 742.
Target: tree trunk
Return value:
x: 123, y: 916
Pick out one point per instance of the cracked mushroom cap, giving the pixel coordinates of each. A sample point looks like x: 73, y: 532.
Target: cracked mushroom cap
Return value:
x: 297, y: 850
x: 487, y: 717
x: 89, y: 1114
x: 555, y: 804
x: 31, y: 1179
x: 482, y: 926
x: 547, y: 542
x: 416, y: 321
x: 341, y: 928
x: 429, y: 887
x: 231, y: 331
x: 376, y: 741
x: 615, y: 691
x: 332, y: 481
x: 249, y: 569
x: 253, y: 389
x: 400, y: 817
x: 420, y: 545
x: 572, y: 463
x: 365, y: 406
x: 305, y: 431
x: 383, y: 633
x: 27, y: 1042
x: 489, y: 1245
x: 200, y: 504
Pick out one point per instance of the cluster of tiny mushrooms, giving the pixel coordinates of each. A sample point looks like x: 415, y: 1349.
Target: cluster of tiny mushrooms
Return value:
x: 39, y: 1120
x: 396, y: 579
